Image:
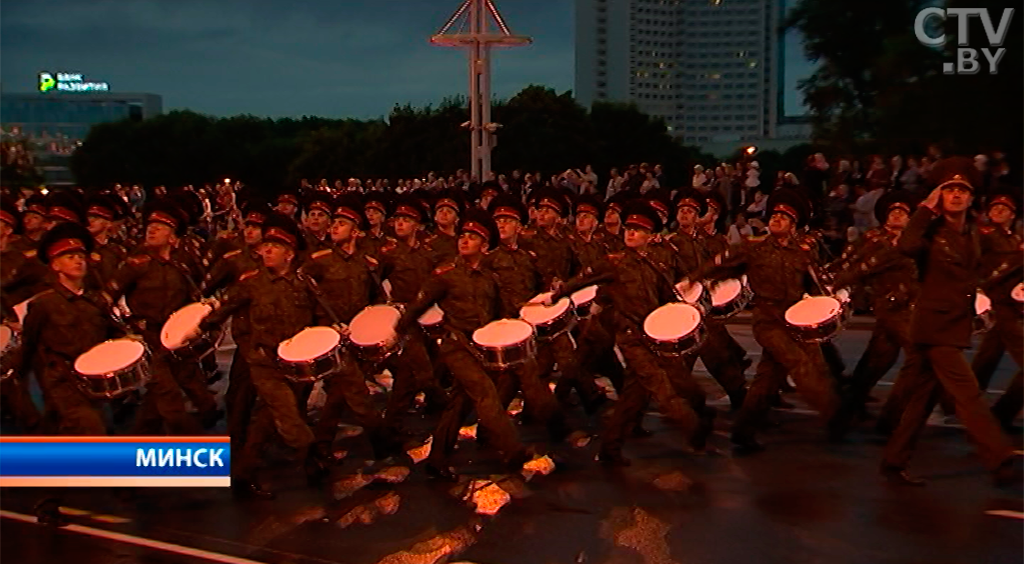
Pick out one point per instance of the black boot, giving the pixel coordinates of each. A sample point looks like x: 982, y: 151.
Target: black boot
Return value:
x: 318, y: 464
x: 48, y: 513
x: 705, y: 427
x: 898, y: 476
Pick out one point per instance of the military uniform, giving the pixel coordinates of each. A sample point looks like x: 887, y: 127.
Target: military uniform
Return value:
x: 406, y: 268
x: 469, y: 298
x: 892, y: 278
x: 777, y: 271
x: 940, y: 328
x: 637, y: 286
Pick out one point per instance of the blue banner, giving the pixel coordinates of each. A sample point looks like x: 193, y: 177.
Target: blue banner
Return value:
x: 107, y: 457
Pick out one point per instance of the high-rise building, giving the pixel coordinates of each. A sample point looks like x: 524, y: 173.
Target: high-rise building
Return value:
x: 709, y: 68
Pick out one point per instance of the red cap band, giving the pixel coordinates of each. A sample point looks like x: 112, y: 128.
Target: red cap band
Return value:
x: 551, y: 203
x: 278, y: 234
x: 447, y: 202
x: 660, y: 206
x: 320, y: 205
x: 479, y: 229
x: 957, y: 179
x: 379, y: 206
x: 617, y: 207
x: 8, y: 217
x: 788, y: 210
x: 1004, y: 200
x: 288, y: 199
x: 641, y: 221
x: 101, y: 212
x: 36, y: 208
x: 586, y: 208
x: 900, y: 205
x: 256, y: 218
x: 688, y: 202
x: 409, y: 211
x: 348, y: 213
x: 163, y: 217
x: 507, y: 211
x: 65, y: 246
x: 63, y: 213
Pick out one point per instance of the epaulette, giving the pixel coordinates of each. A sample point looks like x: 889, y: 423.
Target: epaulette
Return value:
x: 371, y: 260
x: 444, y: 268
x: 805, y: 246
x: 757, y: 238
x: 248, y: 275
x: 233, y: 253
x: 96, y: 257
x: 321, y: 253
x: 527, y: 232
x: 30, y: 253
x: 616, y: 257
x: 139, y: 259
x: 986, y: 229
x: 390, y: 243
x: 531, y: 253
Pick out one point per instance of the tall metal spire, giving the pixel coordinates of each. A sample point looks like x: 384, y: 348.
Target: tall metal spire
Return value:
x: 478, y: 26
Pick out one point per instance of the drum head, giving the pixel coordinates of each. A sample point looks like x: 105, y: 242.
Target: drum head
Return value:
x: 539, y: 314
x: 813, y: 310
x: 725, y: 292
x: 181, y: 323
x: 433, y: 316
x: 584, y: 296
x: 671, y: 321
x: 6, y: 336
x: 693, y: 294
x: 1018, y: 292
x: 110, y: 356
x: 310, y: 343
x: 982, y: 303
x: 374, y: 325
x: 502, y: 333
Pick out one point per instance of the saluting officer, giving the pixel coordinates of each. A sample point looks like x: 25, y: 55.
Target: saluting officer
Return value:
x: 947, y: 250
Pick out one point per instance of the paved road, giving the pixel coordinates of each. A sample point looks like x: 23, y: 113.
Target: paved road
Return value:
x: 800, y: 501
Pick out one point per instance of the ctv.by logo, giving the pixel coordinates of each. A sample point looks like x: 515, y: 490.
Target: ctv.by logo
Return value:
x: 967, y: 57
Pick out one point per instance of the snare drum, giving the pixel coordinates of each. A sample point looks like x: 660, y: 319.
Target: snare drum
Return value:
x: 816, y: 319
x: 583, y: 301
x: 181, y: 324
x: 432, y: 322
x: 8, y: 344
x: 982, y: 313
x: 729, y: 297
x: 674, y: 329
x: 698, y: 296
x: 113, y: 369
x: 312, y: 354
x: 505, y: 343
x: 549, y: 321
x: 372, y: 332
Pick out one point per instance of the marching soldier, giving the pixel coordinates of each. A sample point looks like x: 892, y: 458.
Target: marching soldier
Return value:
x: 777, y: 268
x: 1001, y: 248
x: 947, y: 251
x: 347, y: 281
x: 467, y: 293
x: 157, y: 280
x: 892, y: 277
x: 375, y: 205
x: 318, y: 221
x: 107, y: 254
x: 443, y: 242
x: 279, y: 303
x: 637, y: 286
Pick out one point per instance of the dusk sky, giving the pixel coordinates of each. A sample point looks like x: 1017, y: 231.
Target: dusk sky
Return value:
x: 339, y: 58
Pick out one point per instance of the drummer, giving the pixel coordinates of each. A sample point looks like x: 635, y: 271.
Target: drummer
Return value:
x: 102, y: 212
x: 1001, y: 246
x: 318, y: 207
x: 518, y: 282
x: 406, y: 263
x: 348, y: 281
x: 62, y: 323
x: 636, y: 287
x: 467, y: 293
x: 156, y: 280
x: 777, y: 268
x: 892, y: 277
